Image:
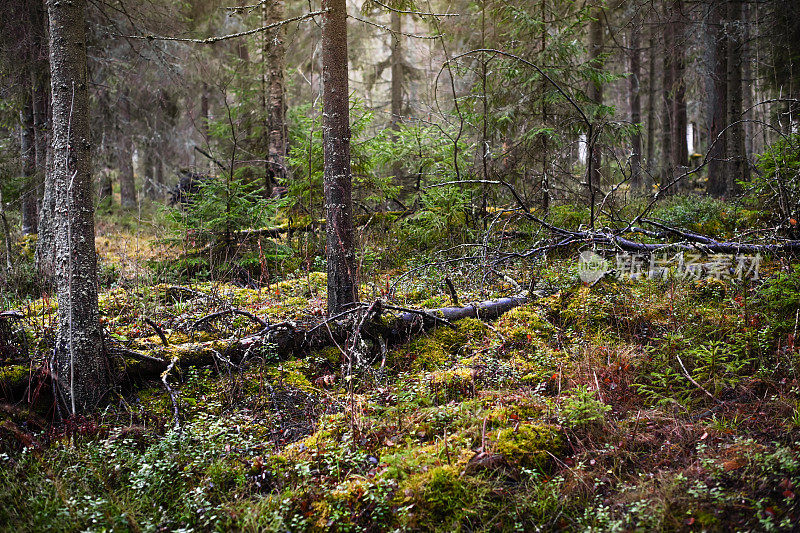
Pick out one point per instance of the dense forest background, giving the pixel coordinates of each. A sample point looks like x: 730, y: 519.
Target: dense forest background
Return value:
x: 399, y: 265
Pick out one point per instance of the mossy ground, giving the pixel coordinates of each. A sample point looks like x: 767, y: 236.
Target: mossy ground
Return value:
x: 569, y: 413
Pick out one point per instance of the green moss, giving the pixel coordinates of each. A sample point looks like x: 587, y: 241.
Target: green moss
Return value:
x: 530, y: 445
x: 523, y: 324
x: 427, y: 354
x: 466, y: 331
x: 440, y: 498
x: 449, y: 385
x: 14, y: 376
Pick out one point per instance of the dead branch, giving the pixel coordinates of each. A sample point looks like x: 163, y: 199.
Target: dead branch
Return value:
x: 234, y: 311
x: 158, y: 330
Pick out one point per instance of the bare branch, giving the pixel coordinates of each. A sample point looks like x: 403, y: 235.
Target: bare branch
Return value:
x: 212, y: 40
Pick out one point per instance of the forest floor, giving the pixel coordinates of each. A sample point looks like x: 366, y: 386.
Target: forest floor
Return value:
x: 624, y: 405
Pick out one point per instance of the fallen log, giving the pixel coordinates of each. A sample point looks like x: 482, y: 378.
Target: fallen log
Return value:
x: 287, y: 340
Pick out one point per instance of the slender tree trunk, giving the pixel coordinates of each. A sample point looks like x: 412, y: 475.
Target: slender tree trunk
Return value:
x: 668, y: 90
x: 717, y: 99
x: 127, y: 185
x: 748, y: 83
x: 158, y: 175
x: 149, y: 188
x: 46, y: 243
x: 595, y: 95
x: 652, y: 80
x: 275, y: 62
x: 680, y: 154
x: 40, y: 80
x: 735, y: 148
x: 28, y: 153
x: 545, y: 182
x: 80, y: 372
x: 342, y: 278
x: 635, y: 103
x: 397, y: 87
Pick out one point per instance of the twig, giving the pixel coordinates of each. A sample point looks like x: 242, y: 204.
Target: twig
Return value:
x: 175, y: 411
x: 696, y: 384
x: 211, y: 40
x: 234, y: 311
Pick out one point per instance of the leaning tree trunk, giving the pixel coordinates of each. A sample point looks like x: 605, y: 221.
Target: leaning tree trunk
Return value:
x: 340, y: 253
x: 28, y: 151
x: 80, y: 372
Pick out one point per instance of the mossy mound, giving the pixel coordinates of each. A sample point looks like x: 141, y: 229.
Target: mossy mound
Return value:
x: 530, y: 445
x: 440, y: 498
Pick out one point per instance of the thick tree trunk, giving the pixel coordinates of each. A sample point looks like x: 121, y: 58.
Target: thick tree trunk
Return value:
x: 274, y: 62
x: 635, y: 102
x: 717, y: 99
x: 28, y: 152
x: 340, y: 253
x: 735, y: 146
x: 80, y: 367
x: 127, y: 185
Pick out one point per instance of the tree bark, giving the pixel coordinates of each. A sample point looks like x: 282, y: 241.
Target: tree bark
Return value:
x: 149, y: 188
x: 340, y: 253
x: 397, y: 86
x: 652, y: 79
x: 735, y: 146
x: 127, y: 185
x: 45, y: 244
x: 28, y: 153
x: 668, y: 88
x: 717, y: 91
x: 595, y: 94
x: 680, y: 153
x: 274, y: 62
x: 635, y: 102
x: 80, y: 372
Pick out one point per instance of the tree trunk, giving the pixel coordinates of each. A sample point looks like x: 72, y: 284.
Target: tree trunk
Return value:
x: 158, y: 175
x: 717, y: 91
x: 340, y: 253
x: 668, y: 94
x: 127, y: 185
x: 275, y: 59
x: 80, y: 372
x: 651, y: 101
x: 735, y: 146
x: 635, y: 102
x: 27, y: 146
x: 149, y: 188
x: 680, y: 154
x: 397, y: 87
x: 595, y: 94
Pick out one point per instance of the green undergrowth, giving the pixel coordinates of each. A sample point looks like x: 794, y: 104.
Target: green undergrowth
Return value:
x: 649, y: 405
